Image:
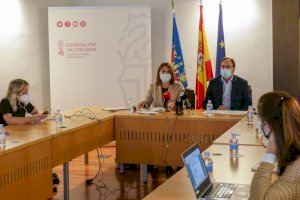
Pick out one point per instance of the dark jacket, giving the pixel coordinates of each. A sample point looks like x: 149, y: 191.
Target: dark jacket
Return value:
x: 240, y: 95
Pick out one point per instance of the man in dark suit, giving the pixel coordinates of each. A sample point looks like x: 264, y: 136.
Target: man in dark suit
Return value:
x: 228, y: 91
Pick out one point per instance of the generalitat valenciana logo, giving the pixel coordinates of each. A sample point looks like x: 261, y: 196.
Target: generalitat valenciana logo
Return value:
x: 61, y: 51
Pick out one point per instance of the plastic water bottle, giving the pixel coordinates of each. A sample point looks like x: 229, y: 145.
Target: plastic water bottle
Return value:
x: 2, y: 136
x: 250, y: 115
x: 258, y: 128
x: 58, y: 118
x: 208, y: 162
x: 130, y: 106
x: 234, y: 146
x: 209, y: 109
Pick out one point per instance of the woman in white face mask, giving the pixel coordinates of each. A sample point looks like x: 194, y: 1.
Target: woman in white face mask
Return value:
x: 164, y: 91
x: 17, y: 103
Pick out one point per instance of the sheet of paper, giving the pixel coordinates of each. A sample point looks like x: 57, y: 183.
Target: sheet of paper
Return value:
x: 148, y: 112
x: 228, y: 112
x: 116, y: 108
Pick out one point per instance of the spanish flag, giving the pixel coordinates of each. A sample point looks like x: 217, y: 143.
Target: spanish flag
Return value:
x: 204, y: 66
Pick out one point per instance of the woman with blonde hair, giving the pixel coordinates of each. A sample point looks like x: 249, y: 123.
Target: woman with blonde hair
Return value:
x: 16, y: 104
x: 280, y: 115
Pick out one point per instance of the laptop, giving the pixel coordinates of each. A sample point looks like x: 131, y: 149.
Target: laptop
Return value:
x: 203, y: 187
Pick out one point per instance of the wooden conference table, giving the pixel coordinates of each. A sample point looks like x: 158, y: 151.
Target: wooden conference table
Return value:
x: 226, y: 169
x: 33, y: 150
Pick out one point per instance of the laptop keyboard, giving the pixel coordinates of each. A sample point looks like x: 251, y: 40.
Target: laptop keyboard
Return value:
x: 223, y: 191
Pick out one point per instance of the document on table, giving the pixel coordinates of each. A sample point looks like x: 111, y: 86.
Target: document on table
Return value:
x: 151, y: 111
x: 228, y: 112
x: 116, y: 108
x: 148, y: 112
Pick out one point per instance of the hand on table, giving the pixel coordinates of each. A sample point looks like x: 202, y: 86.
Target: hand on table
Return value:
x: 38, y: 118
x: 141, y: 105
x: 171, y: 106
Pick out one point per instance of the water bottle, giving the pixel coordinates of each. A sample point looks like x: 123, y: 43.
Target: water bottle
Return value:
x: 258, y: 128
x: 58, y: 118
x: 2, y: 136
x: 208, y: 162
x: 234, y: 146
x: 130, y: 105
x: 250, y: 115
x: 209, y: 109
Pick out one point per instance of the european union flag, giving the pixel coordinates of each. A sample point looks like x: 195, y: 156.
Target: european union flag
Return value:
x: 221, y: 42
x: 177, y: 56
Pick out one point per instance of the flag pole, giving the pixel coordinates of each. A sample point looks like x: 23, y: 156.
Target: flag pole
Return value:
x: 172, y: 3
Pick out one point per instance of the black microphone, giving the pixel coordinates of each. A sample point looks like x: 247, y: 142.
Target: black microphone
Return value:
x: 179, y: 106
x: 184, y: 98
x: 179, y: 103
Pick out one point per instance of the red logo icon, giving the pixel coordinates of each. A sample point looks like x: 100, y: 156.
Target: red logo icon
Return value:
x: 83, y: 23
x: 59, y: 24
x: 75, y: 23
x: 60, y: 45
x: 67, y: 24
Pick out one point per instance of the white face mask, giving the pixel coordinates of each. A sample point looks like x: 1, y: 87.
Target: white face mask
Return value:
x: 25, y: 98
x: 165, y: 77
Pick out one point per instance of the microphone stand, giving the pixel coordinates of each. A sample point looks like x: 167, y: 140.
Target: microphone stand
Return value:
x: 179, y: 107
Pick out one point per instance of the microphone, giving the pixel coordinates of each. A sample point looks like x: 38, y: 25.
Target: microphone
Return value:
x: 183, y: 96
x: 179, y: 103
x: 167, y: 97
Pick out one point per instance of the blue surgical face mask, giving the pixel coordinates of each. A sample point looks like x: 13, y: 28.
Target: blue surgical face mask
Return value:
x: 266, y: 131
x: 165, y: 77
x: 226, y: 73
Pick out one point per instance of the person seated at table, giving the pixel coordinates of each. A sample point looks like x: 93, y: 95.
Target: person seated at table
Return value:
x: 165, y: 82
x: 280, y: 115
x: 228, y: 91
x: 17, y: 103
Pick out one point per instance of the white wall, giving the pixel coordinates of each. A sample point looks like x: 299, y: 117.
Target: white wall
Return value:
x: 248, y: 37
x: 247, y: 26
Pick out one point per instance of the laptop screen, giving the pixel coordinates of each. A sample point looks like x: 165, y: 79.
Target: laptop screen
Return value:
x: 195, y: 167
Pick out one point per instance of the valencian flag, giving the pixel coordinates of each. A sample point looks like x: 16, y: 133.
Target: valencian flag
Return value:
x: 204, y: 66
x: 221, y: 42
x: 177, y: 56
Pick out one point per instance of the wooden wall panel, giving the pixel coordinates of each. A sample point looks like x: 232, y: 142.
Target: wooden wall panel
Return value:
x: 286, y: 46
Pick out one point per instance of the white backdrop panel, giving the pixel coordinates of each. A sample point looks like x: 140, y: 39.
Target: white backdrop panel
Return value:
x: 99, y: 55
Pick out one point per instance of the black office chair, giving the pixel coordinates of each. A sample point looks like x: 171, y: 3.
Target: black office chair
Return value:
x: 191, y: 97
